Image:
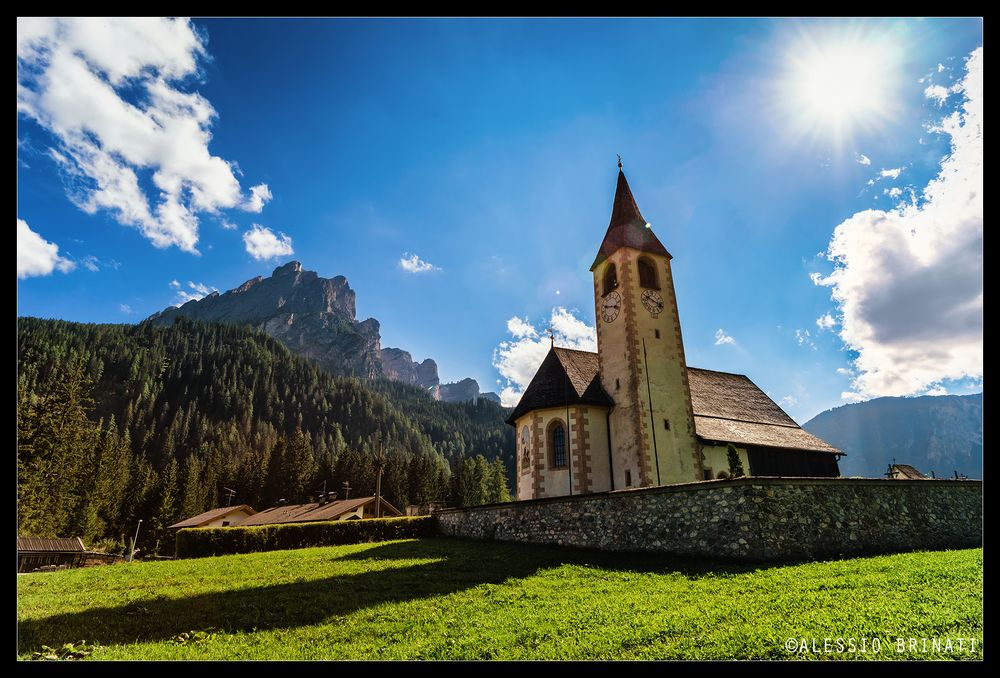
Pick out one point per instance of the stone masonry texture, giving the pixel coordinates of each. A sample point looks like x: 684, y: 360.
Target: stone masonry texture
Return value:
x: 753, y: 519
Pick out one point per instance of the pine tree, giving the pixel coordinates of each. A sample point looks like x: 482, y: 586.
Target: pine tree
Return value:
x: 735, y: 464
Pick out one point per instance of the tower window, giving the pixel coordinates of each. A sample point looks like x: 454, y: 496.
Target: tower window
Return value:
x: 647, y: 274
x: 610, y: 278
x: 557, y: 438
x: 666, y: 424
x: 628, y: 478
x: 657, y: 334
x: 618, y: 384
x: 525, y: 449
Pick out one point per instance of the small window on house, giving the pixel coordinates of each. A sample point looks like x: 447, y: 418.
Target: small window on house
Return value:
x: 610, y: 278
x: 707, y: 475
x: 628, y: 479
x: 657, y: 334
x: 225, y: 523
x: 647, y: 274
x: 666, y: 424
x: 557, y: 439
x: 617, y: 384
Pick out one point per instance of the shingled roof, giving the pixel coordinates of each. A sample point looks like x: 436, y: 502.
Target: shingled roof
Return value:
x: 50, y: 545
x: 628, y: 228
x: 565, y: 377
x: 314, y: 511
x: 728, y: 408
x: 213, y: 514
x: 906, y: 471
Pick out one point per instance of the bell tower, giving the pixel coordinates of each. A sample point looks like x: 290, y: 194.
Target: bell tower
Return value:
x: 641, y: 354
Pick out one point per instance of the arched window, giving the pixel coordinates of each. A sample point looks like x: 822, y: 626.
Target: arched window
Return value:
x: 557, y: 443
x: 647, y: 274
x: 610, y: 278
x: 525, y: 448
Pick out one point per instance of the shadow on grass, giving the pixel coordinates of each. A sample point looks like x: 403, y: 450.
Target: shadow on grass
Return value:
x: 463, y: 565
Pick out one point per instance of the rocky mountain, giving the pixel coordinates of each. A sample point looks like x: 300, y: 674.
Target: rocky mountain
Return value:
x: 467, y: 389
x: 399, y: 365
x: 315, y: 317
x: 943, y: 434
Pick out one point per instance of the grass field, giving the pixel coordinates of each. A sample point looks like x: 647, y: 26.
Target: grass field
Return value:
x: 453, y: 599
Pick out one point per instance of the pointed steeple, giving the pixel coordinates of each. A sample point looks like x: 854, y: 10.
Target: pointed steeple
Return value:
x: 628, y: 228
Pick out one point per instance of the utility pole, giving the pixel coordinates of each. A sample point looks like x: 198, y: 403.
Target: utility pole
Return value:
x: 347, y: 490
x: 131, y: 554
x: 229, y: 495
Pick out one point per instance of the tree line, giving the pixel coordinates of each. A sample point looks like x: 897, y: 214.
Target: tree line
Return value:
x: 118, y: 423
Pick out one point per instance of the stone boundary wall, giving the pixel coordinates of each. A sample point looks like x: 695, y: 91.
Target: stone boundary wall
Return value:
x: 757, y: 519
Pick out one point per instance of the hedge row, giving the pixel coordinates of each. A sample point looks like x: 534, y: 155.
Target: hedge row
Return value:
x: 217, y: 541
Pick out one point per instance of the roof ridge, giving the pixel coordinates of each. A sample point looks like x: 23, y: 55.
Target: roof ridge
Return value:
x: 574, y: 350
x: 732, y: 374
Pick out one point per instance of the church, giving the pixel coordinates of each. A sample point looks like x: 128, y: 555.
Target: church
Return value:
x: 634, y: 414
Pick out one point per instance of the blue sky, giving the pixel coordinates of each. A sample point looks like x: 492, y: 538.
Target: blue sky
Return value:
x: 487, y: 149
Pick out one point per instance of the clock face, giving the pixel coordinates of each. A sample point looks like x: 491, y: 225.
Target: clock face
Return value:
x: 653, y: 302
x: 610, y: 306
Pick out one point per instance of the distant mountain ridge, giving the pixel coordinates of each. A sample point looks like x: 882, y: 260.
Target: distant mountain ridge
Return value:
x: 942, y: 434
x: 316, y: 318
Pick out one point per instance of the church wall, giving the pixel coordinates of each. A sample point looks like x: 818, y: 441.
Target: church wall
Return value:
x: 757, y: 519
x: 586, y: 446
x: 716, y: 457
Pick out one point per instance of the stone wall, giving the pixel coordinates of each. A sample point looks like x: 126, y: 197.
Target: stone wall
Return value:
x: 745, y: 518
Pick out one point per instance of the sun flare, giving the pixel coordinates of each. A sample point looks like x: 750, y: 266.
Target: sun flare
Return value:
x: 834, y: 85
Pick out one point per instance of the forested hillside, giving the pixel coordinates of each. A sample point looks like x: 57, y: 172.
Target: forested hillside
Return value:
x: 122, y: 422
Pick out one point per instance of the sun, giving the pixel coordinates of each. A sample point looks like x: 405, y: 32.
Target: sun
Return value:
x: 835, y: 85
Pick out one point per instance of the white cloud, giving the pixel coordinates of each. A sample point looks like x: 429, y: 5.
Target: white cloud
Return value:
x: 411, y: 263
x: 788, y: 401
x: 862, y: 159
x: 803, y: 338
x: 940, y: 68
x: 938, y: 390
x: 891, y: 173
x: 91, y: 263
x: 893, y: 192
x: 723, y: 339
x: 261, y: 243
x: 844, y: 371
x: 851, y: 396
x: 520, y: 328
x: 260, y: 195
x: 518, y: 360
x: 908, y: 282
x: 826, y: 322
x: 125, y: 308
x: 111, y: 92
x: 937, y: 93
x: 228, y: 225
x: 198, y: 291
x: 36, y: 255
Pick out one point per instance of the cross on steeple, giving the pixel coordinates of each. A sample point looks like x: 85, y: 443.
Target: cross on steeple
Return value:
x: 552, y: 338
x: 347, y: 490
x: 619, y: 160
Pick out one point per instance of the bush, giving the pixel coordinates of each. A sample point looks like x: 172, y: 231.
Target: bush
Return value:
x: 217, y: 541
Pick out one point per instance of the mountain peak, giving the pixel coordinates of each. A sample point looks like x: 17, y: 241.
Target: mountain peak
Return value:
x: 290, y: 268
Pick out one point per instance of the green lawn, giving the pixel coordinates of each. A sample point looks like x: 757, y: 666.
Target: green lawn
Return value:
x: 454, y: 599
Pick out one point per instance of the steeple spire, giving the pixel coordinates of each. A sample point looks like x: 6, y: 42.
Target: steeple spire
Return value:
x: 628, y: 228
